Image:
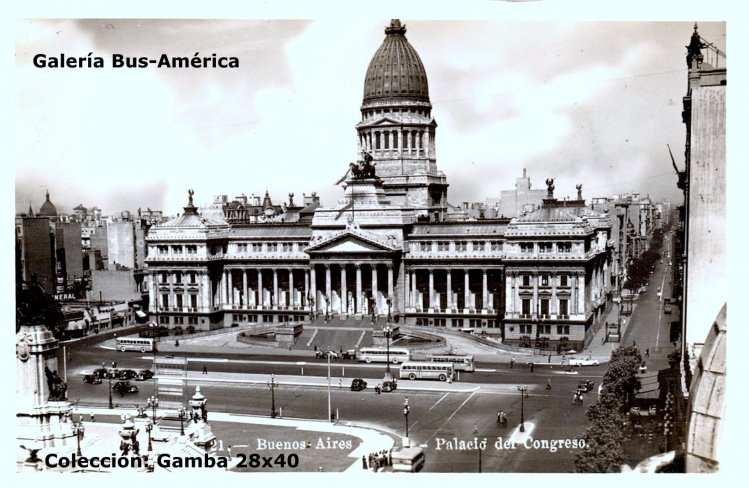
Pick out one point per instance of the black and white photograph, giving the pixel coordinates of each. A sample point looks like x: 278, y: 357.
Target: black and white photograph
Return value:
x: 388, y: 242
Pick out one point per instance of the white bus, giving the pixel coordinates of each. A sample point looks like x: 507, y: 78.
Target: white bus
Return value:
x: 408, y: 459
x: 142, y: 344
x: 426, y: 370
x: 460, y: 362
x: 380, y: 354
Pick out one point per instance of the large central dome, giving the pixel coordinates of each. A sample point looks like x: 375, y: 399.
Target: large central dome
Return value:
x: 396, y: 70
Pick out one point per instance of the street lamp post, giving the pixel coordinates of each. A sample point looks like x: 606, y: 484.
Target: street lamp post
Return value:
x: 406, y: 411
x: 386, y: 331
x: 109, y: 380
x: 330, y: 408
x: 153, y: 402
x: 78, y: 430
x: 523, y: 391
x: 272, y: 384
x: 149, y: 428
x: 182, y: 415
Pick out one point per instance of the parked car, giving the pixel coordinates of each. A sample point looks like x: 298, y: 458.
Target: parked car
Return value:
x: 585, y: 385
x: 388, y: 386
x: 583, y: 362
x: 127, y: 374
x: 101, y: 373
x: 668, y: 308
x: 349, y: 354
x: 144, y: 374
x: 358, y: 384
x: 324, y: 354
x: 123, y: 387
x: 91, y: 379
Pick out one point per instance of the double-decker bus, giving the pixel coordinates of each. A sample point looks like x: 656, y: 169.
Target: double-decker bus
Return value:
x: 426, y: 370
x: 460, y: 362
x: 142, y: 344
x: 380, y: 354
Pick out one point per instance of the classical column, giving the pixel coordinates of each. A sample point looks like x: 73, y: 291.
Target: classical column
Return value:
x: 222, y: 289
x: 426, y: 144
x: 245, y: 298
x: 306, y: 288
x: 390, y: 282
x: 344, y: 301
x: 310, y: 286
x: 431, y: 289
x: 466, y: 291
x: 291, y: 288
x: 510, y: 294
x: 205, y: 304
x: 484, y: 291
x: 230, y: 287
x: 274, y: 297
x: 414, y: 291
x: 554, y: 308
x: 260, y: 297
x: 328, y: 290
x: 358, y: 288
x: 152, y: 292
x: 374, y: 286
x: 534, y: 303
x: 407, y: 277
x: 581, y: 292
x: 449, y: 288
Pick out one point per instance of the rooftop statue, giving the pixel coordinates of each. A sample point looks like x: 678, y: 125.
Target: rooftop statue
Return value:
x: 364, y: 168
x: 57, y: 387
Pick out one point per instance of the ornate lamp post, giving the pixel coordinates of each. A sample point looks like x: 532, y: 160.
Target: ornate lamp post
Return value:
x: 386, y: 330
x: 182, y: 415
x: 109, y: 380
x: 79, y: 430
x: 272, y: 384
x: 406, y: 411
x: 523, y: 392
x: 149, y: 428
x: 153, y: 402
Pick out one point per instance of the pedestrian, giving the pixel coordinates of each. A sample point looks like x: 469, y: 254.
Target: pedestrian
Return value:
x: 364, y: 462
x: 548, y: 384
x: 512, y: 362
x: 647, y: 352
x: 549, y: 358
x: 475, y: 429
x: 531, y: 366
x: 93, y: 417
x: 340, y: 383
x: 205, y: 369
x: 315, y: 346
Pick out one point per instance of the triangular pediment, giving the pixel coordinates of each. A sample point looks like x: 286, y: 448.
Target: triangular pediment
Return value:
x: 349, y: 242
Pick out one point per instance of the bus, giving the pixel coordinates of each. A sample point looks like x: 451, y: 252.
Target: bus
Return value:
x: 142, y: 344
x: 380, y: 354
x: 460, y: 362
x: 426, y: 370
x: 408, y: 459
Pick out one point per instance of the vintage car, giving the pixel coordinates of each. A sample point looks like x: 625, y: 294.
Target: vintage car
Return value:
x: 91, y: 379
x: 123, y: 387
x: 144, y: 374
x: 583, y: 362
x: 358, y: 384
x: 388, y: 386
x: 585, y: 385
x: 127, y: 374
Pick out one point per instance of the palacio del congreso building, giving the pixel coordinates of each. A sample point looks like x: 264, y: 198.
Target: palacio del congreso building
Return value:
x: 392, y: 251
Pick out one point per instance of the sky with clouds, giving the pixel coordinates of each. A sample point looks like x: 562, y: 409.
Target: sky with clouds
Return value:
x: 583, y: 102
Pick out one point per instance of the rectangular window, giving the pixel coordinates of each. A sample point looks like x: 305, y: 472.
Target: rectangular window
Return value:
x: 287, y: 246
x: 193, y: 278
x: 526, y: 307
x: 544, y: 247
x: 163, y: 320
x: 177, y: 249
x: 457, y: 322
x: 564, y: 247
x: 242, y: 247
x: 478, y: 246
x: 272, y: 247
x: 544, y: 329
x: 163, y: 278
x: 257, y: 247
x: 564, y: 308
x: 164, y: 300
x: 544, y: 280
x: 526, y: 280
x: 193, y: 301
x: 526, y: 328
x: 563, y: 329
x: 496, y: 246
x: 443, y: 246
x: 192, y: 320
x: 177, y: 277
x: 563, y: 280
x: 545, y: 307
x: 179, y: 320
x: 191, y: 249
x: 162, y: 249
x: 461, y: 246
x: 526, y: 248
x: 179, y: 301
